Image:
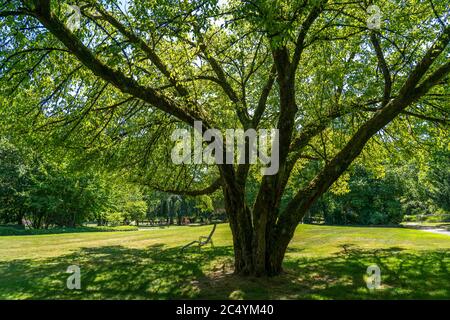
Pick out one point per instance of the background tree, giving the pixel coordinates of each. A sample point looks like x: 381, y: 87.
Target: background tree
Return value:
x: 49, y: 193
x: 14, y: 182
x: 369, y: 200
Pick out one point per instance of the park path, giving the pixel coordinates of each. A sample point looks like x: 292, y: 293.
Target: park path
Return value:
x: 440, y: 231
x: 428, y: 229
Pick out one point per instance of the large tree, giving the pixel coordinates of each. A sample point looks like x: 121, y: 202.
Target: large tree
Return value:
x: 317, y: 70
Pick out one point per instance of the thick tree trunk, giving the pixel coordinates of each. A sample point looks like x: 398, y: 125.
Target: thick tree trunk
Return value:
x: 257, y: 249
x: 260, y: 241
x: 272, y: 267
x: 242, y: 242
x: 258, y: 256
x: 19, y: 220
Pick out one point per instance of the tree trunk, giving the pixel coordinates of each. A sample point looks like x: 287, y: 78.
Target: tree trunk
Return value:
x: 257, y: 250
x: 259, y: 256
x: 260, y: 241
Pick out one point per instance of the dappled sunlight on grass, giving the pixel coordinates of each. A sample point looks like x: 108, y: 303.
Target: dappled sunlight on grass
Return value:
x: 109, y: 273
x: 405, y: 275
x: 321, y: 263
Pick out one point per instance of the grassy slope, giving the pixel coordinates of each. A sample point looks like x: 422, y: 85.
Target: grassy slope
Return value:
x: 322, y: 263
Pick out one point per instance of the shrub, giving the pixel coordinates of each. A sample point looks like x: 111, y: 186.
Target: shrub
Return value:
x: 11, y: 231
x: 438, y: 218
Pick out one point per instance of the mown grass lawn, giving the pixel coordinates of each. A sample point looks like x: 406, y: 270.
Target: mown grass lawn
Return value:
x: 323, y: 262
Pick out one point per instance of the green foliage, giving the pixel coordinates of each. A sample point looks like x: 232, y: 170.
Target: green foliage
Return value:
x: 63, y: 198
x: 412, y: 190
x: 426, y: 187
x: 439, y: 178
x: 130, y: 204
x: 14, y: 181
x: 173, y: 208
x: 369, y: 201
x: 114, y: 218
x: 43, y: 193
x: 437, y: 218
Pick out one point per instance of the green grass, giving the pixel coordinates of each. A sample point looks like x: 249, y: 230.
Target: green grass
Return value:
x: 323, y: 262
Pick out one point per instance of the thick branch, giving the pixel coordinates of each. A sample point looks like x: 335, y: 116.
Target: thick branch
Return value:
x: 259, y: 111
x: 226, y: 86
x: 116, y: 78
x: 300, y: 43
x: 409, y: 93
x: 16, y: 13
x: 427, y: 118
x: 384, y: 68
x: 140, y: 43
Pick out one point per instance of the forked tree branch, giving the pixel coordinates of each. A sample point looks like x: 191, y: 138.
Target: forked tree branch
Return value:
x: 384, y: 68
x: 123, y: 83
x: 410, y: 92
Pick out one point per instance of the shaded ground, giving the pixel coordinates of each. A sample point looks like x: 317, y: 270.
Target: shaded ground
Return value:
x: 322, y: 263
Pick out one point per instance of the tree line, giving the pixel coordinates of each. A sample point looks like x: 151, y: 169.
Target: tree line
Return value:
x: 42, y: 193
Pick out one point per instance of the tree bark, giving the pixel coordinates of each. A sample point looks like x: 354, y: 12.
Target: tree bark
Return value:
x: 256, y: 253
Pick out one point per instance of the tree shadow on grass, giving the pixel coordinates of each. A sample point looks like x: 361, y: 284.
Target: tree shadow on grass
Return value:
x: 404, y: 275
x: 117, y: 272
x: 112, y: 272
